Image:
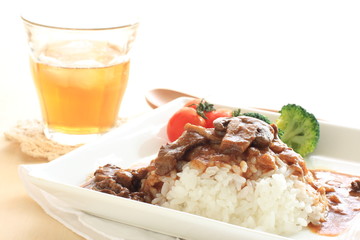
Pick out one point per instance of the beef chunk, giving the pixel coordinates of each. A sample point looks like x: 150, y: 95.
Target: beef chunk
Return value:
x: 124, y: 178
x: 220, y: 125
x: 170, y: 153
x: 239, y: 133
x: 205, y: 132
x: 233, y: 135
x: 120, y: 182
x: 355, y: 186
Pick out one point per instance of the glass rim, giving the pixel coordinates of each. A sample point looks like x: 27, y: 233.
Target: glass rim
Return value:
x: 53, y: 26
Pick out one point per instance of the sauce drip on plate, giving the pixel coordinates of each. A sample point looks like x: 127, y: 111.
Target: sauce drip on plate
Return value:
x: 344, y: 201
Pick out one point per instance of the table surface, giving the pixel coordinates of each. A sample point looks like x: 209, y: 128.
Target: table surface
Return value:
x: 250, y: 54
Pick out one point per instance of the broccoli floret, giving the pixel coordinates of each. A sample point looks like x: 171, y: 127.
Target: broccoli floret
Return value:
x: 280, y: 133
x: 300, y: 129
x: 258, y: 116
x: 237, y: 112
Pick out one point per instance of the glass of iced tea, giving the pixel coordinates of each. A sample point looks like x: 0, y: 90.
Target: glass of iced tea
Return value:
x: 80, y: 74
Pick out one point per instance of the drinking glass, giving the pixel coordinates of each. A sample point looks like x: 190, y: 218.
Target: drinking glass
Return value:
x: 80, y: 73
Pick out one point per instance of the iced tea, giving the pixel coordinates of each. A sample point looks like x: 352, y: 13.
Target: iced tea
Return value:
x: 80, y: 90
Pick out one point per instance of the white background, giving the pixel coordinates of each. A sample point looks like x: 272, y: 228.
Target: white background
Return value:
x: 245, y: 53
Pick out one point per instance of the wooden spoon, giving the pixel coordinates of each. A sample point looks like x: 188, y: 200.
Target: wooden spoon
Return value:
x: 160, y: 96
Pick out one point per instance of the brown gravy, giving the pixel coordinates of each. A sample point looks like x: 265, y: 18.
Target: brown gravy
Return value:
x: 344, y: 201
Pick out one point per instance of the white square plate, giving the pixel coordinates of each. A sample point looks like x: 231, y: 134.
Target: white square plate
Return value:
x: 139, y: 141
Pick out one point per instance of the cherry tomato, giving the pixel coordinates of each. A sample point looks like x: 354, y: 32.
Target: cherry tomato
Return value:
x: 211, y: 116
x: 193, y: 103
x: 183, y: 116
x: 202, y: 107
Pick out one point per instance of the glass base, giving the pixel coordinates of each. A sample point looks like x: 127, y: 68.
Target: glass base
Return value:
x: 70, y: 139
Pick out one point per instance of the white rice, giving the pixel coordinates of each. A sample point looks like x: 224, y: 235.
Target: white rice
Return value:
x: 278, y: 202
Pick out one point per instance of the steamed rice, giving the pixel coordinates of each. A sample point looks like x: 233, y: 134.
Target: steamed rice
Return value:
x: 276, y: 202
